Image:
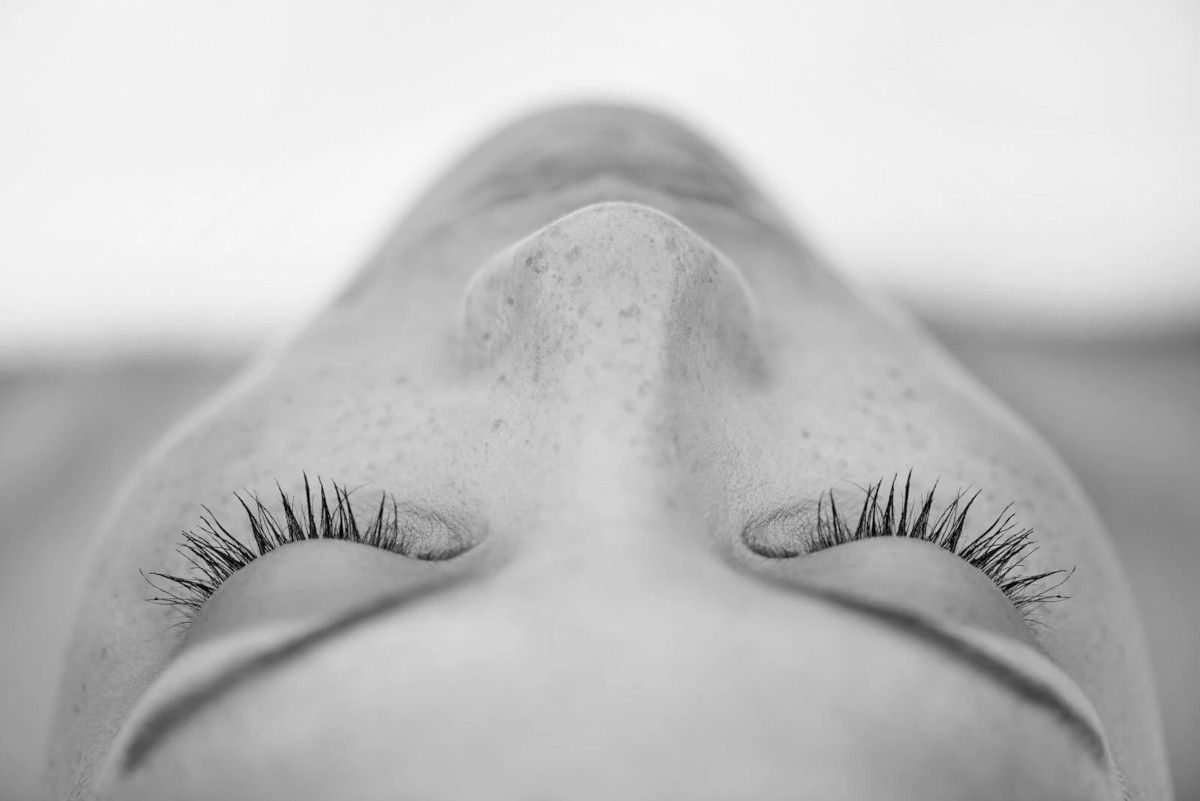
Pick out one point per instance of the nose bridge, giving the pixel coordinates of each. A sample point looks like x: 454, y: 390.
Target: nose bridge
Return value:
x: 618, y: 553
x: 613, y: 328
x: 613, y: 292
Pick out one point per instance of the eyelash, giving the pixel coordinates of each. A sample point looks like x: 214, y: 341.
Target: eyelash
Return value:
x: 215, y: 554
x: 999, y: 552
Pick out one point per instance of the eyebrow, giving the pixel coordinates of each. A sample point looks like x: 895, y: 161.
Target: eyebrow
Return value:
x: 175, y: 713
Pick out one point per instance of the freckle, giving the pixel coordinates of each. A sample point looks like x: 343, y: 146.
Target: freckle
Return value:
x: 75, y: 709
x: 402, y: 379
x: 805, y: 433
x: 497, y: 424
x: 536, y: 262
x: 573, y: 255
x: 487, y: 335
x: 509, y: 300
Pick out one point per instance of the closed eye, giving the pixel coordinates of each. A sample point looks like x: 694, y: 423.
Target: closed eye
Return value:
x: 214, y: 553
x: 1000, y: 551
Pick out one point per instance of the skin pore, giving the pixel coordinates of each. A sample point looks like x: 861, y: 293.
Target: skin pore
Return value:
x: 600, y: 367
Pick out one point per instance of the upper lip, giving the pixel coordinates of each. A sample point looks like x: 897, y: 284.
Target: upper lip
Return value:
x: 548, y: 171
x: 567, y: 148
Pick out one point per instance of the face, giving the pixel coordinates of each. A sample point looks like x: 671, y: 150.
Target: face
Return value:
x: 601, y: 402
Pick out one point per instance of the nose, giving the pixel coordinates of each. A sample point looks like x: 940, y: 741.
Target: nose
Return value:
x: 611, y: 292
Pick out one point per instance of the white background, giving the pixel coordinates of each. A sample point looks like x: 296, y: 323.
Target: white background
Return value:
x: 207, y: 172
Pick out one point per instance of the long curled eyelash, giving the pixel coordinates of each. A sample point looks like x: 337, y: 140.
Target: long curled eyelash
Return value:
x: 215, y: 554
x: 999, y: 552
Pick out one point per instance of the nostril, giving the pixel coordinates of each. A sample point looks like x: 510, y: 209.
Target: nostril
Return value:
x: 493, y: 304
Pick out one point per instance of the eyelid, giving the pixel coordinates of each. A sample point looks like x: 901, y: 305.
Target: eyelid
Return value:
x: 999, y: 552
x: 207, y: 673
x: 1019, y: 666
x: 161, y: 712
x: 215, y: 554
x: 1034, y: 663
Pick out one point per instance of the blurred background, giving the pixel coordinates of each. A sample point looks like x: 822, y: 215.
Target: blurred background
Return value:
x: 180, y: 183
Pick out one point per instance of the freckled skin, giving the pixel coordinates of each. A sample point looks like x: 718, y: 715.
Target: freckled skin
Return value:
x: 596, y: 340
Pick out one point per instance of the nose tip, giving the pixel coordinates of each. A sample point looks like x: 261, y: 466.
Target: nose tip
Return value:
x: 614, y: 286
